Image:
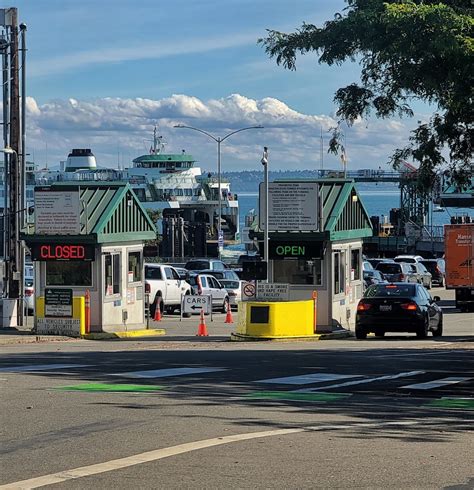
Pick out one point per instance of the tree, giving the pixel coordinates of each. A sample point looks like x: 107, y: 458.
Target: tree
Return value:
x: 407, y: 50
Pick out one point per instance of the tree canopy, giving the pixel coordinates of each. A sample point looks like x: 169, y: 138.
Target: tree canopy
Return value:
x: 407, y: 50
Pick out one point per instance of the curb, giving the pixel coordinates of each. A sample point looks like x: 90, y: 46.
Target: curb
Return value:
x: 152, y: 332
x: 239, y: 337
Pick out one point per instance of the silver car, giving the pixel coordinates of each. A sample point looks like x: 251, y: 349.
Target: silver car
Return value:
x: 422, y: 274
x: 207, y: 285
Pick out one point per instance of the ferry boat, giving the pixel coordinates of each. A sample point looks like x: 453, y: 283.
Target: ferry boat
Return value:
x: 165, y: 182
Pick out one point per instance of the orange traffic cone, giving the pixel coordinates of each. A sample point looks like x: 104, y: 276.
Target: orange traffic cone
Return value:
x: 228, y: 316
x: 202, y: 328
x: 157, y: 316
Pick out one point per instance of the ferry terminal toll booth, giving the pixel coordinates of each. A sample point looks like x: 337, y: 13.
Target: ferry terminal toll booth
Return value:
x: 89, y: 237
x: 326, y: 258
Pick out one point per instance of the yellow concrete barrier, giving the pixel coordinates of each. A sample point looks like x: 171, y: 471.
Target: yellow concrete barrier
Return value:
x: 274, y: 320
x: 71, y: 327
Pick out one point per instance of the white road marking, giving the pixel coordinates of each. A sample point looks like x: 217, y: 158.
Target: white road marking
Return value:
x: 167, y: 452
x: 437, y: 383
x: 165, y: 373
x: 306, y: 379
x: 407, y: 354
x: 362, y: 381
x: 39, y: 367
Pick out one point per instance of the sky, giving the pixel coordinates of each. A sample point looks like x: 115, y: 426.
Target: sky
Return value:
x: 102, y: 73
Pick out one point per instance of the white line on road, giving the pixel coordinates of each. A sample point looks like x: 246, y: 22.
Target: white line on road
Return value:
x: 306, y: 379
x: 437, y: 383
x: 165, y: 373
x: 167, y: 452
x: 361, y: 381
x: 31, y: 368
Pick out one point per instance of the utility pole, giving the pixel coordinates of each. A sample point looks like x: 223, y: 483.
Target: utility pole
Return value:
x: 14, y: 214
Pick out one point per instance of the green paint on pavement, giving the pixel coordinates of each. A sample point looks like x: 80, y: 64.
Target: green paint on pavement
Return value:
x: 460, y: 403
x: 117, y: 388
x: 301, y: 397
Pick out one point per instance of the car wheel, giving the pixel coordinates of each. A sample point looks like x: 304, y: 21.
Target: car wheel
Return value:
x: 439, y: 331
x: 361, y: 334
x: 422, y: 331
x: 224, y: 305
x: 187, y: 315
x: 379, y: 333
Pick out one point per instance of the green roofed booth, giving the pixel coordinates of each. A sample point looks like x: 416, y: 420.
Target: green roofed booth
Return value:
x: 326, y: 258
x: 88, y: 241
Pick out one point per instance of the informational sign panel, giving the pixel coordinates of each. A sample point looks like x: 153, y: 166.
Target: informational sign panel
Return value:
x: 70, y: 327
x: 194, y: 304
x: 273, y: 291
x: 57, y: 212
x: 58, y: 303
x: 292, y: 206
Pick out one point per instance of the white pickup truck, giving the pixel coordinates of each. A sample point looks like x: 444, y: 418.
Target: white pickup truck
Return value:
x: 165, y: 288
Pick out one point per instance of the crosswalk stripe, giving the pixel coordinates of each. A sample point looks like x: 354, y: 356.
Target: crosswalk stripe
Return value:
x: 306, y: 379
x: 437, y: 383
x: 363, y: 381
x: 39, y: 367
x: 165, y: 373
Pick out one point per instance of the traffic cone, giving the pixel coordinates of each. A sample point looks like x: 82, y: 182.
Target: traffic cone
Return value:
x: 228, y: 316
x: 202, y: 328
x: 157, y: 316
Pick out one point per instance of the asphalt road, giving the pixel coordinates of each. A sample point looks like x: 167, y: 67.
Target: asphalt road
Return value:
x: 183, y: 412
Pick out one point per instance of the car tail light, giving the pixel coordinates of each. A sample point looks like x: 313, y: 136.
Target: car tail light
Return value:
x: 232, y: 293
x: 411, y: 306
x: 29, y: 292
x: 402, y: 277
x: 363, y: 306
x: 198, y: 280
x: 147, y: 288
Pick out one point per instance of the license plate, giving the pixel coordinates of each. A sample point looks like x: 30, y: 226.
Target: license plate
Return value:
x: 385, y: 307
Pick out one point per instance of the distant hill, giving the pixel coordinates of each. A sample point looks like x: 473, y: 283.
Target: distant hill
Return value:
x: 249, y: 180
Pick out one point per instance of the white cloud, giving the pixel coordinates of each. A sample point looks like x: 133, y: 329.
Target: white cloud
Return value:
x: 120, y: 129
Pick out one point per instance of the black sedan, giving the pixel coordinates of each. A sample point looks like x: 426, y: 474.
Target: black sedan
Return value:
x: 398, y: 307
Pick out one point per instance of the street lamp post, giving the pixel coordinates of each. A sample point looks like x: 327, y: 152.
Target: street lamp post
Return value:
x: 218, y: 140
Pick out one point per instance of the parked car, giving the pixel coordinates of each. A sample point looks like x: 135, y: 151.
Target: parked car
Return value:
x: 398, y: 307
x: 367, y: 266
x: 227, y: 274
x: 373, y: 277
x: 375, y: 262
x: 165, y: 287
x: 234, y: 290
x: 248, y: 258
x: 409, y: 259
x: 182, y: 273
x: 397, y: 272
x: 207, y: 285
x: 422, y: 274
x: 205, y: 264
x: 437, y: 269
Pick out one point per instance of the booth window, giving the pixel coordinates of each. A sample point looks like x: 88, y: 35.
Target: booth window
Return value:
x: 112, y: 273
x: 339, y: 274
x: 63, y: 273
x: 134, y: 266
x: 355, y: 263
x: 298, y: 271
